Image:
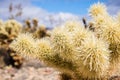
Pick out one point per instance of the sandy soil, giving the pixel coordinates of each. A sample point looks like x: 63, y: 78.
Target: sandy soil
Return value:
x: 31, y: 70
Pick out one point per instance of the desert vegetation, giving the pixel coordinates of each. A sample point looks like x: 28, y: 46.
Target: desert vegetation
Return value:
x: 79, y: 50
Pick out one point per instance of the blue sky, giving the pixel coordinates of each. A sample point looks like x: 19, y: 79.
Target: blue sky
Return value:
x: 71, y: 6
x: 57, y: 11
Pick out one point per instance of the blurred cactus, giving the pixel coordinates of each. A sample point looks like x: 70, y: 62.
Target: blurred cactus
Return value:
x: 30, y: 26
x: 3, y: 34
x: 38, y: 31
x: 28, y: 23
x: 9, y: 31
x: 98, y: 9
x: 41, y: 32
x: 76, y: 51
x: 12, y: 27
x: 35, y: 24
x: 27, y: 27
x: 13, y: 59
x: 9, y: 57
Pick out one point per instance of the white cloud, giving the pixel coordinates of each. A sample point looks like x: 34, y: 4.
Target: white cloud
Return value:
x: 47, y: 18
x: 113, y: 6
x: 30, y: 11
x: 113, y: 9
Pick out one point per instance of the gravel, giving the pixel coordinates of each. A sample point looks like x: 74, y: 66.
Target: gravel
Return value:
x: 31, y: 70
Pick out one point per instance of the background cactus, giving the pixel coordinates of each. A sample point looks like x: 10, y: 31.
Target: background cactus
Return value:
x: 41, y: 32
x: 8, y: 31
x: 76, y: 51
x: 38, y: 31
x: 13, y: 27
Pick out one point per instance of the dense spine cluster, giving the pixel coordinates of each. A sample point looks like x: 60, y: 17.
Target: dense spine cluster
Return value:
x: 76, y: 51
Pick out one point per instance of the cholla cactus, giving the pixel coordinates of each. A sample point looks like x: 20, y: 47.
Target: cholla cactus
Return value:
x: 27, y: 22
x: 13, y: 59
x: 3, y: 33
x: 79, y: 35
x: 98, y: 9
x: 71, y: 26
x: 94, y: 58
x: 8, y: 31
x: 111, y: 35
x: 30, y: 26
x: 77, y: 52
x: 108, y: 28
x: 13, y: 27
x: 61, y: 53
x: 41, y: 32
x: 35, y: 24
x: 38, y: 31
x: 29, y: 43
